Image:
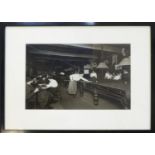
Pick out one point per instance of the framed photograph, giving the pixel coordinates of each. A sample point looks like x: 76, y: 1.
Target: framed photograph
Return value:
x: 76, y: 77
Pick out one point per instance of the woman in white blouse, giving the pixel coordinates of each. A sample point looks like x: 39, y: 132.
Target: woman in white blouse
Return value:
x: 74, y: 78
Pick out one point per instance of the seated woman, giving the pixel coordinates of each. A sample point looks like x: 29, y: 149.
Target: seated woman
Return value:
x: 30, y: 95
x: 46, y: 91
x: 117, y: 76
x: 108, y: 75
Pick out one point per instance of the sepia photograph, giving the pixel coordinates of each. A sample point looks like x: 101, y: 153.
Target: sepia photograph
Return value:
x: 78, y: 76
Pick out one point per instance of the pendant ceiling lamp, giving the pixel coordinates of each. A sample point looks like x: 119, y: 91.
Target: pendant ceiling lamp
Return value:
x: 124, y: 62
x: 102, y: 65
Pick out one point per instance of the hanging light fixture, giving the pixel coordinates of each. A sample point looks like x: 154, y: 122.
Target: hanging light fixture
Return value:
x: 102, y: 65
x: 124, y: 62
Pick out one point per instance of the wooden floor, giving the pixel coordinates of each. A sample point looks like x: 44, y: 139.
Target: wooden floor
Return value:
x: 85, y: 102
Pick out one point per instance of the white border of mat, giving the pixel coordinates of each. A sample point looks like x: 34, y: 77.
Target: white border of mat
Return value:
x: 16, y: 117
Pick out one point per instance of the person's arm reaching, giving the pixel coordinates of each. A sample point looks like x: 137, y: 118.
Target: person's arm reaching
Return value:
x: 82, y: 78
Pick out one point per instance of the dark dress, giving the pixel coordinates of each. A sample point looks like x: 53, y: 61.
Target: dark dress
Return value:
x: 30, y: 97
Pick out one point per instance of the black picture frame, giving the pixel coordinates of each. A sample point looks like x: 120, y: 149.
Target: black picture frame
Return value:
x: 3, y: 25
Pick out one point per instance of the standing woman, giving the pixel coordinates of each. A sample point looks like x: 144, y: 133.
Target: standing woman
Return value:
x: 93, y: 77
x: 74, y: 78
